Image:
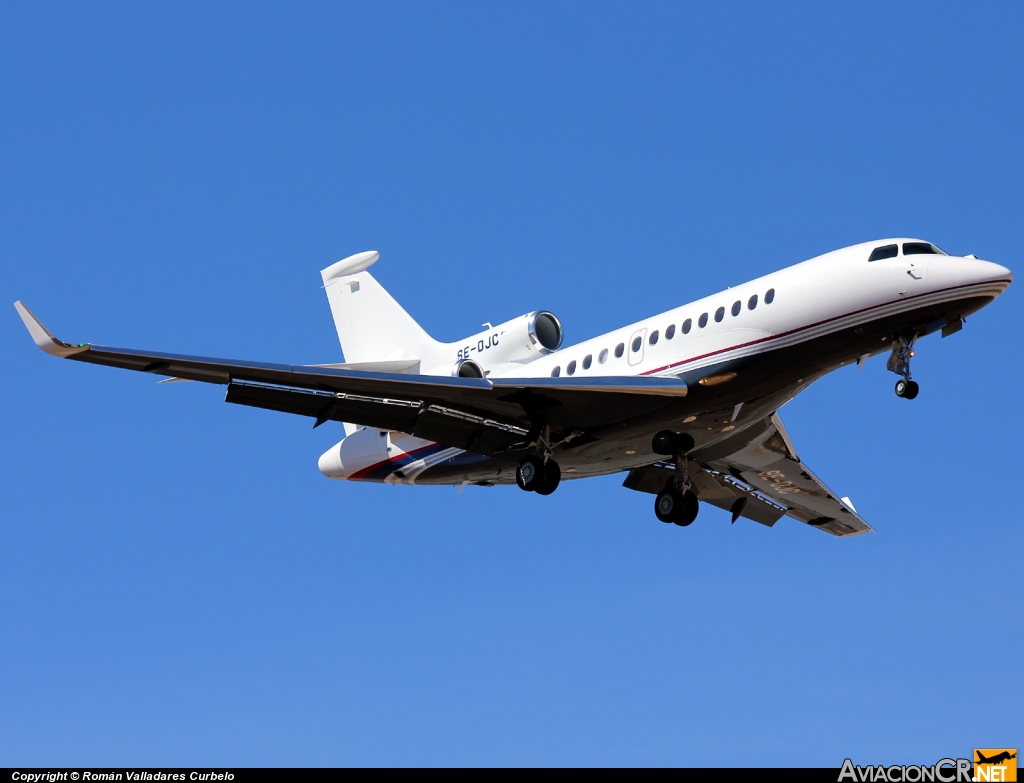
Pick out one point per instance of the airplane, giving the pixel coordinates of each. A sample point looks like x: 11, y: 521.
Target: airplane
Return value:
x: 999, y: 758
x: 685, y: 402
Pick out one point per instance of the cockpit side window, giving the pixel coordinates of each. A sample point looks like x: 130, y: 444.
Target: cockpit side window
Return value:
x: 921, y: 248
x: 885, y: 251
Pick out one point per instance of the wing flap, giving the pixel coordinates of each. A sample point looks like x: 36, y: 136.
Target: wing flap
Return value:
x: 710, y: 488
x: 383, y: 414
x: 430, y: 422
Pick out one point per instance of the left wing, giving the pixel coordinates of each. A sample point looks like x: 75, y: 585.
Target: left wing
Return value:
x: 475, y: 414
x: 757, y: 474
x: 763, y: 457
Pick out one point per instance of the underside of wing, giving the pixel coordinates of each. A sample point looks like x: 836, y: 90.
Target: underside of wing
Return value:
x: 762, y: 461
x: 475, y: 414
x: 756, y: 474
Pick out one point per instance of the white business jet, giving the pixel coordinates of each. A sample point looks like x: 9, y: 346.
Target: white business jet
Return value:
x: 684, y: 401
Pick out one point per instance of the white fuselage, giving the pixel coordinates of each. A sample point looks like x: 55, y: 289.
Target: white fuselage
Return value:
x: 826, y: 294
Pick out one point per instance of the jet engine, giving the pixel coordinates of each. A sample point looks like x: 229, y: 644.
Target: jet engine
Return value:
x: 518, y: 341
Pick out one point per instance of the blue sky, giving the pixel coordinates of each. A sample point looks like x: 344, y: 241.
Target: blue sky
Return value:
x: 180, y: 585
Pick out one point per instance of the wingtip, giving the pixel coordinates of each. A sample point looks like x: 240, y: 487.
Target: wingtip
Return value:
x: 43, y: 337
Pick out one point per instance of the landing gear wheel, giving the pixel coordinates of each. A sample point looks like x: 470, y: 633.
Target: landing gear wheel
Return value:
x: 671, y: 505
x: 664, y: 443
x: 530, y: 473
x: 907, y: 389
x: 667, y: 504
x: 687, y: 510
x: 668, y: 443
x: 550, y: 478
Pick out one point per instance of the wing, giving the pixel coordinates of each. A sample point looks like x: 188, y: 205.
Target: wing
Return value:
x: 475, y: 414
x: 763, y: 458
x: 757, y: 474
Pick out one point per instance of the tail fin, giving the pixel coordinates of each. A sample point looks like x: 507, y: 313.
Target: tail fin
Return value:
x: 372, y: 326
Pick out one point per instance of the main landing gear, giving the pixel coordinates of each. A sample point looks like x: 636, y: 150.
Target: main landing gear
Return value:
x: 676, y: 502
x: 899, y: 363
x: 536, y: 475
x: 907, y: 389
x: 539, y: 473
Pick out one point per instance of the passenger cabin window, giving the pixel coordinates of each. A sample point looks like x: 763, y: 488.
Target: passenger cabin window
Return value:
x: 670, y: 332
x: 921, y: 248
x: 637, y: 343
x: 769, y: 296
x: 556, y: 372
x: 736, y: 307
x: 752, y: 302
x: 686, y: 326
x: 703, y: 320
x: 603, y: 357
x: 653, y: 339
x: 571, y: 368
x: 619, y: 349
x: 886, y: 251
x: 587, y: 361
x: 719, y: 314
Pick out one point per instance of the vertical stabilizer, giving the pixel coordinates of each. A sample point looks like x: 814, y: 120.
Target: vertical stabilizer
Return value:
x: 372, y: 326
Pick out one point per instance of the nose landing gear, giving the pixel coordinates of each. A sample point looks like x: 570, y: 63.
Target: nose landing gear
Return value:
x: 899, y: 363
x: 676, y: 502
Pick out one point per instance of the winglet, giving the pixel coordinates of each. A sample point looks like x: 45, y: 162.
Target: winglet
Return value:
x: 43, y: 337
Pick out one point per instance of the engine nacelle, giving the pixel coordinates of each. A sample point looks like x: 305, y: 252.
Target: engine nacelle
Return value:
x: 355, y: 456
x: 518, y: 341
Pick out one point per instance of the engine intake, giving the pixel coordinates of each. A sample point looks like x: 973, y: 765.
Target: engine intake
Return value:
x: 467, y: 368
x: 545, y: 330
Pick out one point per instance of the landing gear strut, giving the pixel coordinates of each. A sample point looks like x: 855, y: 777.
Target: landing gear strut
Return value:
x: 676, y: 502
x: 539, y: 473
x: 899, y: 363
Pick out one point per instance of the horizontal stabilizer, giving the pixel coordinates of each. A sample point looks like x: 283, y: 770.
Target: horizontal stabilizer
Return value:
x: 410, y: 366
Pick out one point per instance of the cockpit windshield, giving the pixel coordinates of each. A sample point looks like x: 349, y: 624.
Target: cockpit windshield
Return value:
x: 885, y: 251
x: 921, y: 248
x: 909, y: 249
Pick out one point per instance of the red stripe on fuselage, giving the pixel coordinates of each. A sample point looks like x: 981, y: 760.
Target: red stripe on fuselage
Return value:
x: 366, y: 471
x: 811, y: 326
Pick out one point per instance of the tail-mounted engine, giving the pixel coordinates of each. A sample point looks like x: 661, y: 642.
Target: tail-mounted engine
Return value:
x: 518, y: 341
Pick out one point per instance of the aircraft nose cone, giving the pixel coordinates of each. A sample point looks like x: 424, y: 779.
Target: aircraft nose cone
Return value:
x: 1000, y: 272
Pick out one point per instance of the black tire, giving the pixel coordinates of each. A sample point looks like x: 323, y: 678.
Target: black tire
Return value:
x: 688, y: 509
x: 912, y: 390
x: 664, y: 443
x: 550, y: 479
x: 667, y: 504
x: 901, y: 387
x: 684, y: 442
x: 668, y: 443
x: 530, y: 473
